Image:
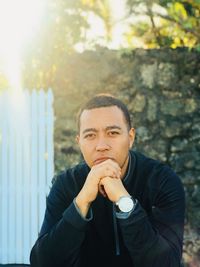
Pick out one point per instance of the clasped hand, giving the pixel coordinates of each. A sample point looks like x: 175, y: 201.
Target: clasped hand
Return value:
x: 105, y: 178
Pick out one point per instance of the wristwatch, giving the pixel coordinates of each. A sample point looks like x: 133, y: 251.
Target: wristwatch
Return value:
x: 125, y: 204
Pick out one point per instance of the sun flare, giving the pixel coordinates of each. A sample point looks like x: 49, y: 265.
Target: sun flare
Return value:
x: 19, y: 21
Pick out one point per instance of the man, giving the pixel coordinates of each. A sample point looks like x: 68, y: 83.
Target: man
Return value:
x: 117, y: 208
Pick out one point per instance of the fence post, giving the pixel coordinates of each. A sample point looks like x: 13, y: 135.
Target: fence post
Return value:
x: 26, y: 165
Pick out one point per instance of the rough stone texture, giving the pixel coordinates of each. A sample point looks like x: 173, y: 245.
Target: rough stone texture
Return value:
x: 161, y: 88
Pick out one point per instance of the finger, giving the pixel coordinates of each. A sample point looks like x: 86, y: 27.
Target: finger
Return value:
x: 114, y: 164
x: 111, y: 170
x: 110, y: 163
x: 102, y: 190
x: 111, y: 174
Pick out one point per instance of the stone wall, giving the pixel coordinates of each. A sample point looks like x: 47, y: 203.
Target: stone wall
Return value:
x: 161, y: 88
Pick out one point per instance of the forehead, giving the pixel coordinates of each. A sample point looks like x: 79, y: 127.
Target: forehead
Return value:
x: 102, y: 117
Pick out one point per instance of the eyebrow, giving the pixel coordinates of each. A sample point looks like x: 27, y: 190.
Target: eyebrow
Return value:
x: 113, y: 127
x: 106, y: 128
x: 89, y: 130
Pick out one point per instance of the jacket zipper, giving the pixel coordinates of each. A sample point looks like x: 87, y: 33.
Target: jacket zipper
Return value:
x: 117, y: 248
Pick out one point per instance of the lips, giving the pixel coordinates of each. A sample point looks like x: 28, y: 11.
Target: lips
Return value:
x: 100, y: 160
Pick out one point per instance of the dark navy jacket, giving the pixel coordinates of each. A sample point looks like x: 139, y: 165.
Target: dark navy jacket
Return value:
x: 151, y: 236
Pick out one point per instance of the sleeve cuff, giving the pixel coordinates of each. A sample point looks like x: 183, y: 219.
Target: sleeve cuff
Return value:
x: 125, y: 215
x: 133, y: 216
x: 89, y: 216
x: 73, y: 216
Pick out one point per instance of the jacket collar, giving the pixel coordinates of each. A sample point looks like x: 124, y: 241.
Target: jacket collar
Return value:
x: 131, y: 167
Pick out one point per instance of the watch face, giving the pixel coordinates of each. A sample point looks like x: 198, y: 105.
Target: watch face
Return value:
x: 125, y: 204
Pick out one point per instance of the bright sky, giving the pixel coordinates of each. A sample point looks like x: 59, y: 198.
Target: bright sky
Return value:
x: 118, y: 13
x: 97, y: 29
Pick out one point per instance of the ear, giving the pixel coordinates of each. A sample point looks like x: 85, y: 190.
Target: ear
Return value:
x: 131, y: 137
x: 77, y: 139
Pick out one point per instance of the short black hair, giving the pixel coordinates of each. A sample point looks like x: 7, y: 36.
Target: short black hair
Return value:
x: 105, y: 100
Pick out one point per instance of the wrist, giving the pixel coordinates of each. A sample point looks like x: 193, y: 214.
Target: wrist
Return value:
x: 125, y: 204
x: 82, y: 204
x: 80, y: 201
x: 123, y: 194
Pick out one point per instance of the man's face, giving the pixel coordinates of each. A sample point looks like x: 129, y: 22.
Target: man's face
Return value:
x: 104, y: 135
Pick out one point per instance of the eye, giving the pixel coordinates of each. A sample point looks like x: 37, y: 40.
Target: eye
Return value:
x: 89, y: 136
x: 113, y: 133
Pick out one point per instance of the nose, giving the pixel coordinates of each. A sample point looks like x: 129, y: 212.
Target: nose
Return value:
x: 102, y: 145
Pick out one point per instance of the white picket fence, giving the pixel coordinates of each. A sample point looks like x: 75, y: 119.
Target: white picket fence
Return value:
x: 26, y: 169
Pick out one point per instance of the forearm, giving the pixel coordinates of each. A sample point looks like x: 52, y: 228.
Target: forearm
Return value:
x: 61, y: 245
x: 149, y: 244
x: 50, y: 251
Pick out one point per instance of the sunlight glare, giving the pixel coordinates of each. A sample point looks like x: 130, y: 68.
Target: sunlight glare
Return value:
x: 119, y: 25
x: 19, y: 21
x: 96, y: 33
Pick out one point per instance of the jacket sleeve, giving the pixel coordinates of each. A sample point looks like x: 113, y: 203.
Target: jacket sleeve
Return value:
x: 155, y: 239
x: 62, y: 232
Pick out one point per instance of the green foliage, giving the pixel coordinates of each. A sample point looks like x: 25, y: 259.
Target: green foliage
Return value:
x: 168, y: 23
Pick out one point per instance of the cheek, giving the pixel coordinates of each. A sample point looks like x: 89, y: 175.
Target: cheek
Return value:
x: 86, y: 149
x: 122, y: 149
x: 87, y: 154
x: 126, y: 144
